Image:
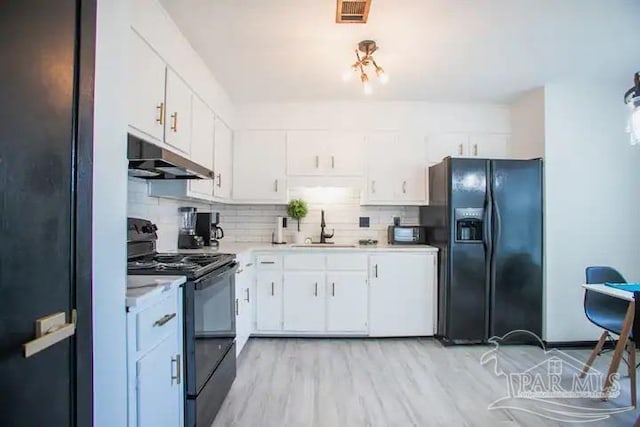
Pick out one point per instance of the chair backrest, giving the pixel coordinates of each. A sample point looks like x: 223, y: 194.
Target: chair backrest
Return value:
x: 602, y: 274
x: 602, y: 310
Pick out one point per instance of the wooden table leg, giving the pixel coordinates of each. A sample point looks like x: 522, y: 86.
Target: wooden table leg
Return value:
x: 631, y: 350
x: 596, y: 351
x: 620, y: 347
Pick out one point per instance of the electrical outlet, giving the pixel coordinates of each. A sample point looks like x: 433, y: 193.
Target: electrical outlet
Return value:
x: 364, y: 222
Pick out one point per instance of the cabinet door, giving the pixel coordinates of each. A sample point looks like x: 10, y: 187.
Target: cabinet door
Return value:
x: 241, y: 323
x: 177, y: 129
x: 380, y: 164
x: 158, y: 391
x: 448, y: 144
x: 401, y: 296
x: 411, y: 172
x: 306, y: 151
x: 146, y: 102
x: 345, y: 154
x: 269, y: 301
x: 223, y: 160
x: 488, y: 146
x: 259, y: 166
x: 202, y: 146
x: 347, y: 301
x: 304, y: 301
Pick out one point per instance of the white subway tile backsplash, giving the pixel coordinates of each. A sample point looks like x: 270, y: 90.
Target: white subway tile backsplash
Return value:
x: 255, y: 223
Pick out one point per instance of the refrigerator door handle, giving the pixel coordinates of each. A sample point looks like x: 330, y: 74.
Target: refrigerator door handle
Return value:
x: 495, y: 226
x: 488, y: 245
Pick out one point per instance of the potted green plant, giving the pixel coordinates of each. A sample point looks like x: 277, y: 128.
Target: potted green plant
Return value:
x: 297, y: 209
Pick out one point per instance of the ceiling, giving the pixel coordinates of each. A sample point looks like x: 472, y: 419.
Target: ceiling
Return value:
x: 435, y: 50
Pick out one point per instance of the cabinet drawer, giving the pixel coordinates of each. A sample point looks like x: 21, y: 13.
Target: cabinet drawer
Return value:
x: 304, y: 262
x: 157, y: 321
x: 347, y: 262
x: 268, y: 262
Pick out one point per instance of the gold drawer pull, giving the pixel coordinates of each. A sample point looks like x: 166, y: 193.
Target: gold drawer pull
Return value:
x: 174, y: 127
x: 50, y: 330
x: 160, y: 108
x: 164, y: 319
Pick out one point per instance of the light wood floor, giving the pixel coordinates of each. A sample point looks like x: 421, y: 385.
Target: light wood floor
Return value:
x: 385, y: 382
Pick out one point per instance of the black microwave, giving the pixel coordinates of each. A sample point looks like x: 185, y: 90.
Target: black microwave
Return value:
x: 407, y: 235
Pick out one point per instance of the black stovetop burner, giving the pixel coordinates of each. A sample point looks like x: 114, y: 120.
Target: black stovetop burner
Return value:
x: 190, y: 265
x: 143, y: 258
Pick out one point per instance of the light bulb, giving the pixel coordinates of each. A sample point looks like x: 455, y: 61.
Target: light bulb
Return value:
x: 384, y: 77
x: 368, y: 90
x: 634, y: 123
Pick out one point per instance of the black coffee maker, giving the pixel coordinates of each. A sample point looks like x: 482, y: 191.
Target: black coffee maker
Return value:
x: 188, y: 237
x: 207, y: 226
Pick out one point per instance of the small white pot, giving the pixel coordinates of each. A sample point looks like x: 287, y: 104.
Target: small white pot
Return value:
x: 298, y: 237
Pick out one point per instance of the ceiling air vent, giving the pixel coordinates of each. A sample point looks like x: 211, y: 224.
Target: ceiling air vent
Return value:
x: 353, y: 11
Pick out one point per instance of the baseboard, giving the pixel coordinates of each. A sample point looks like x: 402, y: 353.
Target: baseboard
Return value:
x: 576, y: 344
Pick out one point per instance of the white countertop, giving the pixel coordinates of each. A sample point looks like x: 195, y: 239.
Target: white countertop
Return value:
x: 142, y: 288
x: 608, y: 290
x: 238, y: 248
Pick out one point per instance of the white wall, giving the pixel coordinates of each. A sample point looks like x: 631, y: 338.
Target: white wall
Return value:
x: 592, y: 199
x: 527, y: 126
x: 109, y: 215
x: 155, y: 25
x: 423, y: 117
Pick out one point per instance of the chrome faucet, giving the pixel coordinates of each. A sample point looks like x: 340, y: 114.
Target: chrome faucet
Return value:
x: 323, y: 225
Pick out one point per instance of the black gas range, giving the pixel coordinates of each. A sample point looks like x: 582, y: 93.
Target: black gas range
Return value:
x: 209, y: 316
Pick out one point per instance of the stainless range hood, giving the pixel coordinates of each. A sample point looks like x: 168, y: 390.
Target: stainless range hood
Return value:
x: 152, y: 162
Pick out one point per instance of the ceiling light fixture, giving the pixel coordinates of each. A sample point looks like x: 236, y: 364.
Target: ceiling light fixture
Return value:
x: 367, y: 47
x: 632, y: 99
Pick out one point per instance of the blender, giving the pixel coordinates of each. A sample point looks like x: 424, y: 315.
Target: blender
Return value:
x: 187, y: 237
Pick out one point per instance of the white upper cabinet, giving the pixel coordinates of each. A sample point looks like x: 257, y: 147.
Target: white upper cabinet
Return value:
x: 318, y: 152
x: 177, y: 127
x: 488, y: 146
x: 223, y: 161
x: 306, y: 152
x: 202, y: 138
x: 395, y: 168
x: 146, y: 102
x: 344, y: 154
x: 484, y: 145
x: 259, y: 167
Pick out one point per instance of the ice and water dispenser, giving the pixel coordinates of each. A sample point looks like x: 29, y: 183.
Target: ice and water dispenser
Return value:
x: 469, y: 224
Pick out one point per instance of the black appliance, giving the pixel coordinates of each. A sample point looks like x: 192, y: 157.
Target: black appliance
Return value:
x: 150, y: 161
x: 209, y: 317
x: 207, y: 226
x: 406, y: 235
x: 188, y: 238
x: 485, y: 216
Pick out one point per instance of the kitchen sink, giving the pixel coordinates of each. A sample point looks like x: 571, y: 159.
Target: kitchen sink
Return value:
x: 324, y: 245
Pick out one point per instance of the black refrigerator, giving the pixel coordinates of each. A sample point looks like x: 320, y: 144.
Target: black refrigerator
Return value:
x: 485, y: 216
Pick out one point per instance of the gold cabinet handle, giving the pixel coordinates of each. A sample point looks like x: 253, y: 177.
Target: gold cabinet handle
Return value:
x: 475, y: 149
x: 404, y: 187
x: 333, y: 162
x: 178, y: 375
x: 219, y: 184
x: 460, y: 149
x: 373, y: 186
x: 276, y: 186
x: 50, y: 330
x: 164, y: 319
x: 174, y: 127
x: 160, y: 108
x: 317, y: 162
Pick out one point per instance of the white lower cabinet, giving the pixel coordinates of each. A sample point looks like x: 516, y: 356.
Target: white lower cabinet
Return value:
x: 324, y: 293
x: 155, y: 362
x: 269, y: 300
x: 304, y: 303
x: 347, y: 301
x: 401, y: 294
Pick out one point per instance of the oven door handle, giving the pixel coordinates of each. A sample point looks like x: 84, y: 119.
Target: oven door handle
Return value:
x: 210, y: 281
